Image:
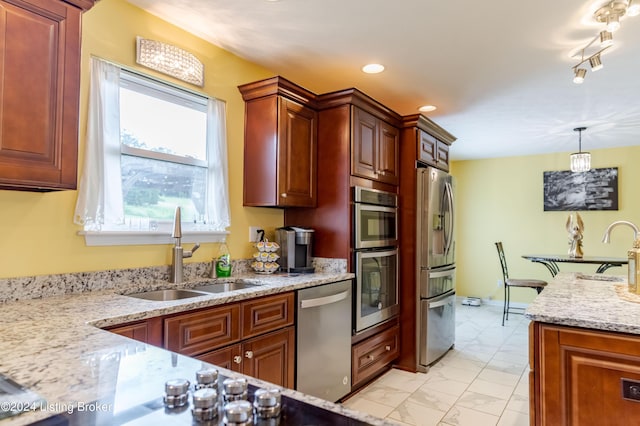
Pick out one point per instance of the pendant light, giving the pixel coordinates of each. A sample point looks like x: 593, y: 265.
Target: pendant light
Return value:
x: 580, y: 161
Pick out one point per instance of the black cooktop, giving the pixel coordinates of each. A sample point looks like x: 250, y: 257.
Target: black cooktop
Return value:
x: 153, y: 412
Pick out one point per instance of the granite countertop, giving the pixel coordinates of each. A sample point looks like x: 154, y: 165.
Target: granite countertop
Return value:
x: 596, y: 302
x: 55, y: 347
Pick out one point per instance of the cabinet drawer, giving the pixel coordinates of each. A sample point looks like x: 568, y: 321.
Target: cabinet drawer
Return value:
x: 266, y: 314
x: 372, y: 355
x: 201, y: 331
x: 149, y: 331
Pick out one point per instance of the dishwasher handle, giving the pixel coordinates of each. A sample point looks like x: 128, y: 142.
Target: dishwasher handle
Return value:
x: 326, y: 300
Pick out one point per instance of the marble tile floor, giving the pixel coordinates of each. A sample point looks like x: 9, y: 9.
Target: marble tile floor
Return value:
x: 482, y: 381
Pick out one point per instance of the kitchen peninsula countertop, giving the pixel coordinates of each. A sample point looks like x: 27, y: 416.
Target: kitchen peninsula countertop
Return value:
x: 55, y: 347
x: 586, y: 301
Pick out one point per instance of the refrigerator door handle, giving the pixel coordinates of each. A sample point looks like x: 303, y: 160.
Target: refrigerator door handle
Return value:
x: 449, y: 237
x: 441, y: 274
x: 443, y: 302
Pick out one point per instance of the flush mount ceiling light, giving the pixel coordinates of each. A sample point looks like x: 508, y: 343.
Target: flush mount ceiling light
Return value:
x: 427, y: 108
x: 609, y: 14
x: 373, y: 68
x: 170, y: 60
x: 580, y: 161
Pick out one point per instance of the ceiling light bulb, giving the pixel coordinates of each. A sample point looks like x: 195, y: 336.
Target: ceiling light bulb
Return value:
x: 579, y: 75
x: 595, y: 62
x: 373, y: 68
x: 606, y: 38
x: 427, y: 108
x: 634, y: 8
x: 613, y: 22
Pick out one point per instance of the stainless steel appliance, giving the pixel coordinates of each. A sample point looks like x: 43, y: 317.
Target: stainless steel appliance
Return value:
x: 376, y: 257
x: 323, y: 356
x: 295, y: 249
x: 436, y: 263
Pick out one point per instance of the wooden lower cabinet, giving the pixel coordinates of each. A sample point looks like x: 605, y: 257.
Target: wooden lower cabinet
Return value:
x: 584, y: 377
x: 148, y: 331
x: 270, y: 357
x: 371, y: 356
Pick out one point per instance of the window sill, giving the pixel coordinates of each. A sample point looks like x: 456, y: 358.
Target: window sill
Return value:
x: 129, y: 238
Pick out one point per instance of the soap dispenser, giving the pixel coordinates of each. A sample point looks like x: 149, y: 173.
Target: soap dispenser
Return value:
x: 634, y: 267
x: 223, y: 262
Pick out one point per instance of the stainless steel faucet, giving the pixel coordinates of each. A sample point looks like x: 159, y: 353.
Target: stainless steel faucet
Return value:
x: 175, y: 274
x: 607, y: 233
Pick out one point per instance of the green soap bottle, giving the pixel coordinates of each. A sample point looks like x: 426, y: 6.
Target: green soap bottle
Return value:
x: 223, y: 262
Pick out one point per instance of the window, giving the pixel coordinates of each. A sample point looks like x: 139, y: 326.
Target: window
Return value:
x: 151, y: 147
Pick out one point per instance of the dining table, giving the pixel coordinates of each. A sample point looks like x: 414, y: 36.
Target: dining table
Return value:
x: 551, y: 261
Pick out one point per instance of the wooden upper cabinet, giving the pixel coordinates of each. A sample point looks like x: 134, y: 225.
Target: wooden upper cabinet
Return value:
x: 375, y: 148
x: 430, y: 140
x: 39, y: 90
x: 280, y: 144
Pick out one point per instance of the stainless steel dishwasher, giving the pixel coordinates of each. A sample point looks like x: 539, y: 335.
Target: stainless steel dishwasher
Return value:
x: 323, y: 338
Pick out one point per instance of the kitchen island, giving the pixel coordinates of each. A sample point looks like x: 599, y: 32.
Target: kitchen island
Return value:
x: 55, y: 347
x: 585, y: 352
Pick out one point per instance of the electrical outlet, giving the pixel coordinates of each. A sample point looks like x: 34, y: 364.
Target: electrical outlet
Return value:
x: 253, y: 234
x: 499, y: 284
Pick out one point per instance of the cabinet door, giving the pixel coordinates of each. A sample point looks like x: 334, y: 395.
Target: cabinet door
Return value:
x: 229, y: 357
x: 149, y: 331
x: 387, y: 155
x: 427, y: 148
x: 364, y: 144
x: 443, y: 156
x: 271, y: 357
x: 198, y: 332
x: 586, y: 377
x: 39, y: 87
x: 297, y: 164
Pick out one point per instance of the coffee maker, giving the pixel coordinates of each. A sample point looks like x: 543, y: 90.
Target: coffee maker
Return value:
x: 295, y: 249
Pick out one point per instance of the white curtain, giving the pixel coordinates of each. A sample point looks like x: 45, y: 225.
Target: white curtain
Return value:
x: 217, y: 185
x: 96, y: 200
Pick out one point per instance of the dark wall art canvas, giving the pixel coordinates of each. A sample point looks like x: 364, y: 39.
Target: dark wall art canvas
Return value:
x: 596, y: 189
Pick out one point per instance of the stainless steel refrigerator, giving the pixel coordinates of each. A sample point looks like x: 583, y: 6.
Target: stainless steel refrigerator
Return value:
x: 436, y: 263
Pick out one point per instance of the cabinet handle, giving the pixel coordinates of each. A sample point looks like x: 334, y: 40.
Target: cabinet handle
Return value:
x: 283, y: 195
x: 237, y: 359
x: 248, y: 354
x: 387, y: 348
x: 371, y: 357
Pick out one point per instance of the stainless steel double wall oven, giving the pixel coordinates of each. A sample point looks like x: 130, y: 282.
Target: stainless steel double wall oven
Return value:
x: 375, y: 224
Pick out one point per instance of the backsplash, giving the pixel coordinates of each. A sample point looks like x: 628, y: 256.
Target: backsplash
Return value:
x: 127, y: 280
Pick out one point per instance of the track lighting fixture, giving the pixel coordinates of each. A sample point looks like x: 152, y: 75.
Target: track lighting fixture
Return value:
x: 606, y: 38
x: 595, y: 62
x: 609, y: 14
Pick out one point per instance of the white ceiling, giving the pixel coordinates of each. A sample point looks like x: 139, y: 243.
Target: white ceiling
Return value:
x: 499, y: 70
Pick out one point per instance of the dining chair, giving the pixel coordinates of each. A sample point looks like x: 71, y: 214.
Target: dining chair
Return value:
x: 537, y: 285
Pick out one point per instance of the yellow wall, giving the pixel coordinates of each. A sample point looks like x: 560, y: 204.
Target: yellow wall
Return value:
x: 37, y: 233
x: 502, y: 200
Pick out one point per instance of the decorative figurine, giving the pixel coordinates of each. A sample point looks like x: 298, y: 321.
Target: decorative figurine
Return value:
x: 575, y: 228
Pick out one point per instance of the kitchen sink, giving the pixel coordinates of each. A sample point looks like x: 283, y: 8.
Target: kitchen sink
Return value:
x: 222, y: 287
x: 166, y: 295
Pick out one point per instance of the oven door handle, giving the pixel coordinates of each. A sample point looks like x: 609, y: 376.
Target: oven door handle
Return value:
x: 326, y: 300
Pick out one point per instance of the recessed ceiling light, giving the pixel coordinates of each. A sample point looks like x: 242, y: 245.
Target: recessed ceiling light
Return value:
x: 427, y: 108
x: 373, y: 68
